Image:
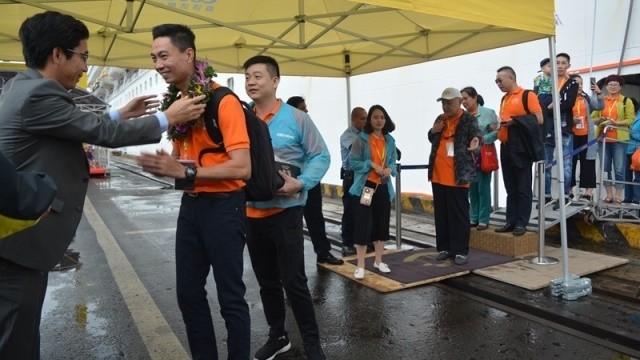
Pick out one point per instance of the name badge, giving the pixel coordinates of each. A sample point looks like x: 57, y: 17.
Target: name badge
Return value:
x: 579, y: 121
x: 450, y: 148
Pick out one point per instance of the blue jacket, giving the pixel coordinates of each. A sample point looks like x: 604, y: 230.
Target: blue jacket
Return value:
x: 296, y: 141
x: 634, y: 135
x: 360, y: 161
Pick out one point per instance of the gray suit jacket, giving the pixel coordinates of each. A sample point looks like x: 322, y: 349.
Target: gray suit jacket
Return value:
x: 42, y: 130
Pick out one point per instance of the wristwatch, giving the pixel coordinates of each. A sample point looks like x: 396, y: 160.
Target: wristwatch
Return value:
x: 190, y: 173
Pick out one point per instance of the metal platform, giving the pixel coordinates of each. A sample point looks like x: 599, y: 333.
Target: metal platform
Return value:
x: 551, y: 217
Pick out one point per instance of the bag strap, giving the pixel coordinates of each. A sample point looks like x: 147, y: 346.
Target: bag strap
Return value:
x: 212, y: 122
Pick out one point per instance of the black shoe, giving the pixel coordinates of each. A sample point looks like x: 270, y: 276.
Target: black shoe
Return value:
x: 329, y: 259
x: 273, y: 347
x: 547, y: 200
x: 443, y: 255
x: 505, y: 228
x: 460, y: 260
x: 348, y: 250
x: 519, y: 231
x: 567, y: 201
x: 473, y: 224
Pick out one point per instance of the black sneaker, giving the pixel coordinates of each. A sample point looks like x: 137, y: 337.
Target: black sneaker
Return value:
x: 547, y: 200
x: 567, y: 201
x: 443, y: 255
x: 273, y: 347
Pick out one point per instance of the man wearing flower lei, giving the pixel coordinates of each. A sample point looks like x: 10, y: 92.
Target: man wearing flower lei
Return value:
x: 211, y: 224
x: 274, y: 228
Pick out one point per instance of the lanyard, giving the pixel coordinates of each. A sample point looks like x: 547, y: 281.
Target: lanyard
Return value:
x: 561, y: 82
x: 380, y: 154
x: 609, y: 109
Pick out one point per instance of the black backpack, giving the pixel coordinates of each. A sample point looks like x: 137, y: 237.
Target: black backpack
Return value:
x: 265, y: 179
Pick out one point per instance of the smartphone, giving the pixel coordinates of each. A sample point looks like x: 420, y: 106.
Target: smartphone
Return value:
x: 592, y: 80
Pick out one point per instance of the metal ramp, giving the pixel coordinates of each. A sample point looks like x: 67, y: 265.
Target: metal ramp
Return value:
x: 551, y: 217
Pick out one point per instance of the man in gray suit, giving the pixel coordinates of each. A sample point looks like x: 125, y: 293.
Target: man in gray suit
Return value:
x: 42, y: 130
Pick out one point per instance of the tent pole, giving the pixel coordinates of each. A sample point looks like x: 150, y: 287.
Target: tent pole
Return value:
x: 593, y: 38
x: 348, y: 117
x: 557, y: 124
x: 626, y: 35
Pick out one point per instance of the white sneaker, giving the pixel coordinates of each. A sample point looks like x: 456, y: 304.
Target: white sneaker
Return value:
x: 359, y: 273
x: 382, y: 267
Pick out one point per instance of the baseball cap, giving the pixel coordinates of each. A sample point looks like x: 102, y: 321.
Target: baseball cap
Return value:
x: 450, y: 93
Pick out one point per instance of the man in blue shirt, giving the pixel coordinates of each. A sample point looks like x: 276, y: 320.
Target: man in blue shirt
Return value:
x: 358, y: 119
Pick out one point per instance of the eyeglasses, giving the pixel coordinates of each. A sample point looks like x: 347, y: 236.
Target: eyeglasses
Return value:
x: 85, y: 56
x: 612, y: 84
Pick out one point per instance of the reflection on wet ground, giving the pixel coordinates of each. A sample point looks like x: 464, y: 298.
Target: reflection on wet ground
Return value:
x: 70, y: 260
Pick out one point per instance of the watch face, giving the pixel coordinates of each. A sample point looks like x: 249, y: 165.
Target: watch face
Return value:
x: 190, y: 173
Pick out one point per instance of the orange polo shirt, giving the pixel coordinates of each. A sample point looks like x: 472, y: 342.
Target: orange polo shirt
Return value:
x: 444, y: 172
x: 580, y: 122
x: 512, y: 106
x: 611, y: 111
x: 378, y: 156
x: 234, y: 132
x: 254, y: 212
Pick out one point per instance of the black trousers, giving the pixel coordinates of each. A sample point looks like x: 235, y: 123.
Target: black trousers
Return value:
x: 587, y: 167
x: 451, y: 213
x: 276, y: 247
x: 517, y: 182
x: 347, y: 210
x: 315, y: 222
x: 22, y: 292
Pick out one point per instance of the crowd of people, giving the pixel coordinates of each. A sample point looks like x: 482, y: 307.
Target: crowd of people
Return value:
x: 216, y: 221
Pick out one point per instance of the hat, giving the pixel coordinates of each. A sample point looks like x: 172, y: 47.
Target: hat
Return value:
x: 544, y: 62
x: 450, y: 93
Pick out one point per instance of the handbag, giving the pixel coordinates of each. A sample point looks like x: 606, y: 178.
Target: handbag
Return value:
x: 488, y: 158
x: 635, y: 161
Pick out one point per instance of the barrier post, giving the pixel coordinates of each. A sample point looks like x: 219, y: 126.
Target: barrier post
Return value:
x: 541, y: 259
x: 398, y: 203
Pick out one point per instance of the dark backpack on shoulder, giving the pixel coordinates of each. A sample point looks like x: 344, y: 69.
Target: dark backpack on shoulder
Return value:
x: 265, y: 179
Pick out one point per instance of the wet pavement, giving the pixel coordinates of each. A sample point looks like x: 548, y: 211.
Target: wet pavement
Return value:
x: 86, y: 315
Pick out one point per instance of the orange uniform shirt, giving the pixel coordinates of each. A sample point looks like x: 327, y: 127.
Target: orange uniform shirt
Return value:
x: 580, y: 122
x: 444, y: 172
x: 253, y: 212
x: 234, y: 132
x: 611, y: 111
x: 512, y: 106
x: 378, y: 156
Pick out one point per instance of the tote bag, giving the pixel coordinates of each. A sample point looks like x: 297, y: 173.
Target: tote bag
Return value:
x: 488, y: 158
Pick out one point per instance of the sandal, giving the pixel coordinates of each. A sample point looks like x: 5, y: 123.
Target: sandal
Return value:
x: 618, y: 201
x: 608, y: 200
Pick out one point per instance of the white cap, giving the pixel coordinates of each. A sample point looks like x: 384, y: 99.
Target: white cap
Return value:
x: 449, y: 94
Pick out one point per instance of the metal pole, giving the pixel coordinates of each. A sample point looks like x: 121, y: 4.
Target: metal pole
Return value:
x: 398, y: 203
x: 557, y: 122
x: 496, y: 189
x: 541, y: 259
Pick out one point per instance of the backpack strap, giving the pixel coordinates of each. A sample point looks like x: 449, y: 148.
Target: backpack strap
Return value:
x: 525, y: 100
x: 211, y: 122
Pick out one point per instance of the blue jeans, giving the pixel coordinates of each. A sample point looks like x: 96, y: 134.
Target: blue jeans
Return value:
x: 614, y: 153
x: 631, y: 192
x: 211, y: 235
x: 567, y: 148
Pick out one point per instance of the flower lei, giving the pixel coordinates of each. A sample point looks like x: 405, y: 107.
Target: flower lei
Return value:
x: 200, y: 85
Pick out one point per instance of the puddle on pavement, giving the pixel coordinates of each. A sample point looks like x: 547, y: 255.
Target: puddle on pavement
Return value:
x: 87, y: 320
x: 70, y: 260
